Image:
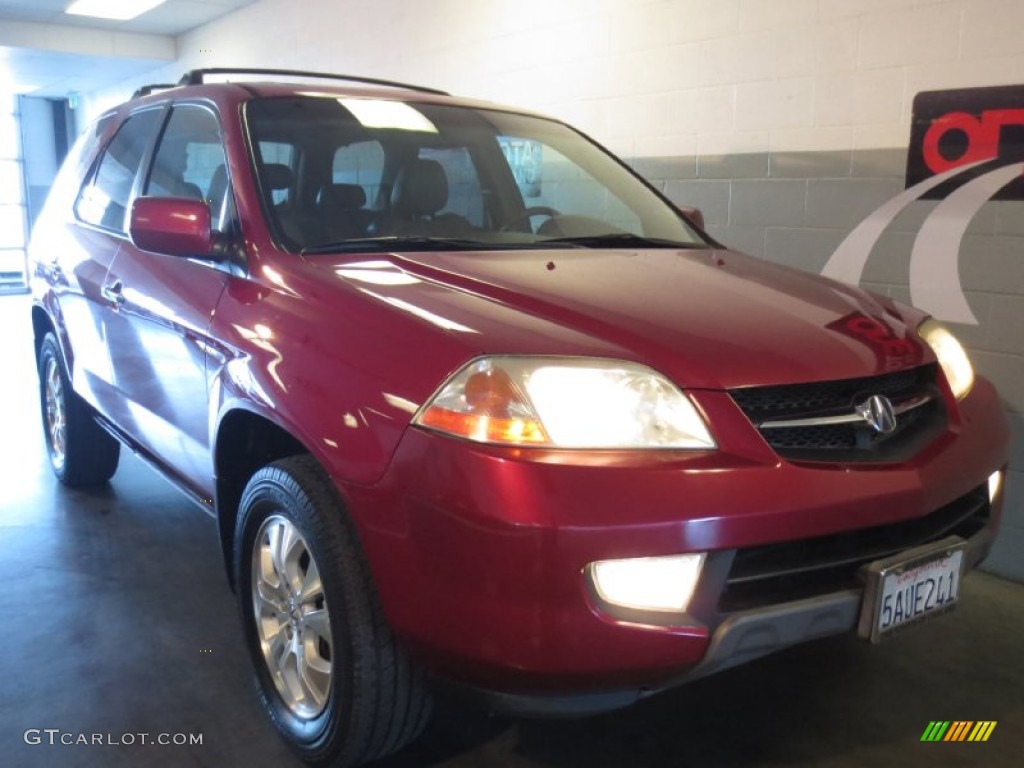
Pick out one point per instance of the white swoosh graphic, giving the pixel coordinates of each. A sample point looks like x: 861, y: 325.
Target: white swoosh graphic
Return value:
x: 934, y: 272
x: 848, y: 260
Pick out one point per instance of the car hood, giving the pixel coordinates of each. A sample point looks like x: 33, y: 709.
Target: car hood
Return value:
x: 709, y: 319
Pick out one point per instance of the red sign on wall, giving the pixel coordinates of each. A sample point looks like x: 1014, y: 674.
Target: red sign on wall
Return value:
x: 964, y: 126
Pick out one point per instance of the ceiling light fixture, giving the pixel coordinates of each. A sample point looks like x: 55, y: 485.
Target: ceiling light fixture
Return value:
x: 121, y: 10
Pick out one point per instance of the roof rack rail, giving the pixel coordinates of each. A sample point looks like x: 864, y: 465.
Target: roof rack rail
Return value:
x: 145, y: 90
x: 197, y: 77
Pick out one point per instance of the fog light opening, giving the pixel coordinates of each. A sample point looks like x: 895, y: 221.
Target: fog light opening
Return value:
x: 648, y: 583
x: 995, y: 482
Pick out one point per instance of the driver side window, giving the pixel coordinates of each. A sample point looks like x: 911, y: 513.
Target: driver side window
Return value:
x: 190, y: 162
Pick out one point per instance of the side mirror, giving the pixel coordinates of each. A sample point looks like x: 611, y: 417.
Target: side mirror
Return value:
x: 176, y: 226
x: 692, y: 215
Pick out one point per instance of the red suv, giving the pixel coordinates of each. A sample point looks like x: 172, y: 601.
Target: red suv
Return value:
x: 472, y: 402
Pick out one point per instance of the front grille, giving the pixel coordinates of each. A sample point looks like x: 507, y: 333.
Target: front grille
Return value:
x: 766, y: 407
x: 793, y: 570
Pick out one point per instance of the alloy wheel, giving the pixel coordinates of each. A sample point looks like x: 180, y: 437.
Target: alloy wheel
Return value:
x: 56, y: 414
x: 291, y: 615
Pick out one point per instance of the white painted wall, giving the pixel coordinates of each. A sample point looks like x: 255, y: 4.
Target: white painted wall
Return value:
x: 651, y: 78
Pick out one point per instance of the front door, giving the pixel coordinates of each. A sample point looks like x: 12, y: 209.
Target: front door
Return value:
x: 165, y: 305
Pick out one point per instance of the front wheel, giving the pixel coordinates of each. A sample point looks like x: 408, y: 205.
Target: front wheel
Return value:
x: 81, y: 452
x: 329, y: 671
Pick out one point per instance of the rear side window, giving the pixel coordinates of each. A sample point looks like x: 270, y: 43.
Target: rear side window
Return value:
x: 103, y: 202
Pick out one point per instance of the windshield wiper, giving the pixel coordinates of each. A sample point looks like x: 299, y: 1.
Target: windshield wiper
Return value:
x: 621, y: 240
x: 397, y: 243
x: 422, y: 243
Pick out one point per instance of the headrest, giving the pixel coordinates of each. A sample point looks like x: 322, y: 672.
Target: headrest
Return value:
x: 277, y: 176
x: 219, y: 180
x: 343, y: 197
x: 421, y: 189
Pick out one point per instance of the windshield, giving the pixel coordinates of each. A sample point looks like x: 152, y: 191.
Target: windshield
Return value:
x: 358, y: 173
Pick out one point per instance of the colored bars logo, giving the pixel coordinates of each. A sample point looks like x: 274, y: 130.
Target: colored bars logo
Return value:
x: 958, y: 730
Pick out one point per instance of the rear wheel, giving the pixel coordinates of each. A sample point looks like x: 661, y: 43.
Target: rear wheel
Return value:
x: 330, y: 673
x: 81, y: 452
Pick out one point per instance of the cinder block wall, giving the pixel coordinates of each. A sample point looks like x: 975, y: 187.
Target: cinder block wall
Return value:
x: 787, y: 121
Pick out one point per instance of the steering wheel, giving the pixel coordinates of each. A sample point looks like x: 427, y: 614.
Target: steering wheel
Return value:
x: 529, y: 213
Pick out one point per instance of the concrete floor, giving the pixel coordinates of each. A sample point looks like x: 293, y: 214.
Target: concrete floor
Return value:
x: 116, y: 619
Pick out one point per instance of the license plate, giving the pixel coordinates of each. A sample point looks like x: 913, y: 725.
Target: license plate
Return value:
x: 911, y: 587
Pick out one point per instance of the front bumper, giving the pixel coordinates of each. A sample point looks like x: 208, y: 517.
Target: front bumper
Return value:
x: 743, y: 636
x: 479, y: 552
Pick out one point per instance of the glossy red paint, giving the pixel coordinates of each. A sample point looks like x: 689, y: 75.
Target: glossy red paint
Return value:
x: 175, y: 226
x: 460, y: 306
x: 708, y: 319
x: 478, y: 551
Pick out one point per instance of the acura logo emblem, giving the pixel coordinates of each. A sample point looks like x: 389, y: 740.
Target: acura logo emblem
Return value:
x: 878, y: 412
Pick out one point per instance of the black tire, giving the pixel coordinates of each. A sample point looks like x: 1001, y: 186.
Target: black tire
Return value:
x: 372, y: 700
x: 81, y: 452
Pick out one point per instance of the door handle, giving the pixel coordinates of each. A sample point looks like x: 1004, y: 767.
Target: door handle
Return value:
x: 54, y: 273
x: 114, y: 292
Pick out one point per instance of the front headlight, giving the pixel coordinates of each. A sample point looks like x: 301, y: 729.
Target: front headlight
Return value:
x: 951, y: 356
x: 565, y: 403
